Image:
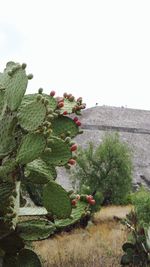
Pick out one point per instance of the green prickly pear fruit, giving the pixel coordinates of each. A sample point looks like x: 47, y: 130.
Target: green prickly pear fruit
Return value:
x: 55, y: 115
x: 40, y: 91
x: 68, y: 133
x: 68, y: 139
x: 24, y: 65
x: 50, y: 117
x: 30, y: 76
x: 49, y: 111
x: 48, y: 150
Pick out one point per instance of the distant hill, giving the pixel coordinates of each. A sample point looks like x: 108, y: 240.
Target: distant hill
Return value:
x: 133, y: 126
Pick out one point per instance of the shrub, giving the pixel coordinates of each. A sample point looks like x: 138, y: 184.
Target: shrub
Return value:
x: 141, y: 202
x: 106, y: 169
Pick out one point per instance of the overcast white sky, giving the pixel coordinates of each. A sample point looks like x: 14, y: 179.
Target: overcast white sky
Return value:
x: 99, y: 50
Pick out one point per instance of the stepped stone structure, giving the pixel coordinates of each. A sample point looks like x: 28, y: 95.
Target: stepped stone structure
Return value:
x: 133, y: 126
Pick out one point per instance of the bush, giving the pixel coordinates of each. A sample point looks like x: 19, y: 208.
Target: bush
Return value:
x: 106, y: 169
x: 141, y: 202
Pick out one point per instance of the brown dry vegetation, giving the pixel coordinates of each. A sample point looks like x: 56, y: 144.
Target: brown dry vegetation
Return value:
x: 99, y: 245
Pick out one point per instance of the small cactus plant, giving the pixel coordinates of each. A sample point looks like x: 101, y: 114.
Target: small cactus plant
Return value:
x: 35, y: 137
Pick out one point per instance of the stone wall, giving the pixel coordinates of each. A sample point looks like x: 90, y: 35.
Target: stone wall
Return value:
x: 134, y: 128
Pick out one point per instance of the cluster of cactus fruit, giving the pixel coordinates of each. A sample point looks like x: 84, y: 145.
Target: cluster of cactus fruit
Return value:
x: 35, y: 137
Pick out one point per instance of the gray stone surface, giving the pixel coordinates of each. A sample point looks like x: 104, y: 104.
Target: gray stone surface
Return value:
x: 134, y: 129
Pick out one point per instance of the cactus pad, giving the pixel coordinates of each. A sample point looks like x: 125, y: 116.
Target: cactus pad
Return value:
x: 28, y: 258
x: 60, y: 153
x: 6, y: 169
x: 39, y: 172
x: 56, y: 200
x: 31, y: 147
x: 62, y: 125
x: 35, y: 229
x: 35, y: 192
x: 15, y: 84
x: 7, y: 138
x: 2, y: 98
x: 32, y: 115
x: 76, y: 215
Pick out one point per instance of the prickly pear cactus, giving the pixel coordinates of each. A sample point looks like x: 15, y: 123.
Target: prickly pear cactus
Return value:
x: 35, y: 138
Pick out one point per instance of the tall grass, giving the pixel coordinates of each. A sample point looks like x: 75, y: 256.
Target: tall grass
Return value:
x: 99, y: 245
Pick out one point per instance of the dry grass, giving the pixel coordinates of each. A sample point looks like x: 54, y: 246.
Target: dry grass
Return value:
x: 99, y: 245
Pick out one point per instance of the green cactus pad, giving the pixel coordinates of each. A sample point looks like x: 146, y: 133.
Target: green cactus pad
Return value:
x: 8, y: 167
x: 39, y: 172
x: 15, y: 84
x: 35, y: 229
x: 62, y: 125
x: 56, y: 200
x: 76, y: 215
x: 33, y: 97
x: 32, y: 115
x: 7, y: 137
x: 60, y: 153
x: 28, y: 258
x: 35, y: 192
x: 31, y: 147
x: 2, y: 99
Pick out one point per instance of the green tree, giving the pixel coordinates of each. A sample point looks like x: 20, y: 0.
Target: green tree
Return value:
x: 106, y: 169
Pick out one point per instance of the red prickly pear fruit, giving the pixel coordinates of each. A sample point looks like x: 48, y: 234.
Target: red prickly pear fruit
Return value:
x: 65, y: 113
x: 71, y: 98
x: 75, y: 119
x: 71, y: 161
x: 78, y: 197
x: 73, y: 202
x: 78, y: 123
x: 60, y: 99
x: 52, y: 93
x: 69, y: 95
x: 60, y: 105
x: 89, y: 198
x: 65, y: 95
x: 79, y: 99
x: 73, y: 147
x: 92, y: 202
